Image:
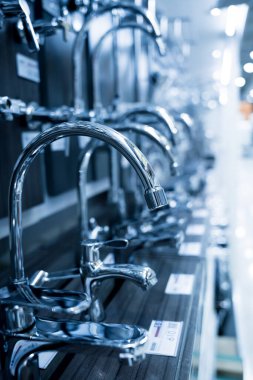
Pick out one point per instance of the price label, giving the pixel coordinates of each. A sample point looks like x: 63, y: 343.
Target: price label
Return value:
x: 180, y: 284
x: 195, y: 229
x: 164, y: 338
x: 190, y: 249
x: 27, y: 68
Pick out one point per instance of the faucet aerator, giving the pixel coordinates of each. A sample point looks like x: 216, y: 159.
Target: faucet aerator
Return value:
x: 155, y: 197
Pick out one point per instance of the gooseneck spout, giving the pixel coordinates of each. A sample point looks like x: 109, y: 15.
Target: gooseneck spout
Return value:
x: 153, y: 192
x: 151, y: 22
x: 140, y: 129
x: 159, y: 112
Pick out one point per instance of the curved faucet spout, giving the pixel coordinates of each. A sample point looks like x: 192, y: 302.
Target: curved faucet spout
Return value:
x: 90, y: 148
x: 154, y: 194
x: 154, y: 135
x: 159, y: 112
x: 144, y: 277
x: 131, y: 25
x: 150, y: 20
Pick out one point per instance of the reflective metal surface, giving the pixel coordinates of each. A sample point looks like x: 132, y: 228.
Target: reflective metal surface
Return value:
x: 154, y: 194
x: 82, y: 35
x: 160, y: 113
x: 88, y: 151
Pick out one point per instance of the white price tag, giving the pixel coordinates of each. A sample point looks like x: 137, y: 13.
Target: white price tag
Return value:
x: 180, y: 284
x: 164, y: 338
x: 195, y: 229
x: 190, y: 249
x: 83, y: 141
x: 109, y: 259
x: 27, y: 137
x: 27, y: 68
x: 200, y: 213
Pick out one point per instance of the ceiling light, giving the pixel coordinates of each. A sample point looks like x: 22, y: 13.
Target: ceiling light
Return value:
x: 215, y: 12
x: 216, y: 75
x: 216, y: 53
x: 231, y: 21
x: 251, y: 54
x: 240, y: 82
x: 248, y: 67
x: 226, y: 67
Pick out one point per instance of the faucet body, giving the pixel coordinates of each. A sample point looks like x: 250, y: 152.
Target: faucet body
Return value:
x: 19, y: 348
x: 154, y: 194
x: 82, y: 35
x: 22, y: 302
x: 136, y: 128
x: 93, y: 271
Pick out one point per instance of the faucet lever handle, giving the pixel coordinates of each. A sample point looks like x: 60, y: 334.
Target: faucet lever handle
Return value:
x: 91, y: 248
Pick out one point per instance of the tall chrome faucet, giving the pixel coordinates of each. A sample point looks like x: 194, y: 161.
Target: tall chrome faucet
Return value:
x: 153, y: 192
x: 151, y: 22
x: 22, y: 301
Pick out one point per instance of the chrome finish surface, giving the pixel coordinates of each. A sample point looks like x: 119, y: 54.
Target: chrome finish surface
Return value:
x: 20, y: 8
x: 74, y: 336
x: 160, y: 113
x: 99, y: 131
x: 155, y: 136
x: 93, y: 271
x: 82, y: 35
x: 154, y: 196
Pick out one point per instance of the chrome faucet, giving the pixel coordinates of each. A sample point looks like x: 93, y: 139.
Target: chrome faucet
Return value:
x: 153, y: 192
x: 22, y: 301
x: 120, y: 26
x: 93, y: 271
x: 151, y: 22
x: 20, y: 9
x: 88, y: 151
x: 159, y: 113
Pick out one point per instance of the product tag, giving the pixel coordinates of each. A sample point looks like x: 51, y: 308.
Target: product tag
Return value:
x: 195, y: 229
x: 164, y: 338
x: 83, y: 141
x: 27, y: 137
x: 180, y: 284
x: 200, y: 213
x: 27, y: 68
x: 109, y: 259
x: 190, y: 249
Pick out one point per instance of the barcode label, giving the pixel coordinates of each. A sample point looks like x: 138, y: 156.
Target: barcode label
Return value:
x: 164, y: 338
